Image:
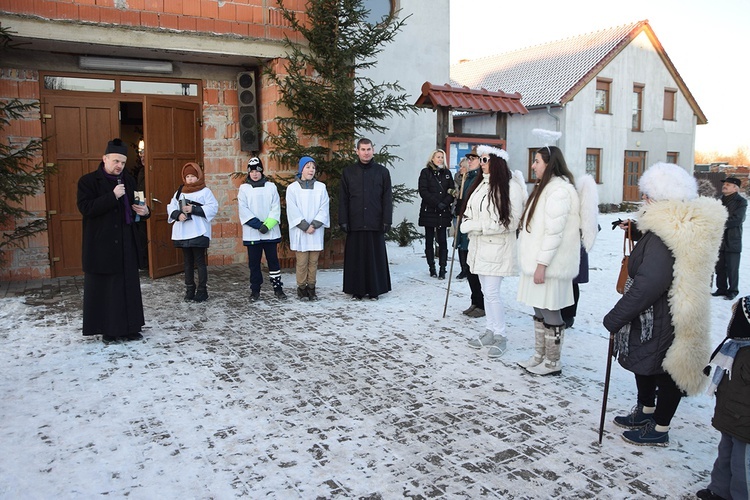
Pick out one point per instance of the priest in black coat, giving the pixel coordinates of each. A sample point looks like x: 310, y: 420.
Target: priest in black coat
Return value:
x: 365, y: 215
x: 112, y: 304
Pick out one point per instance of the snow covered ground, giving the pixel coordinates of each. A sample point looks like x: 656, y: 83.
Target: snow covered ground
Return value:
x: 333, y: 399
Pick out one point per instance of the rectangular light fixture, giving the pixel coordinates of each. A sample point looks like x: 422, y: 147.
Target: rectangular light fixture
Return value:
x: 118, y: 64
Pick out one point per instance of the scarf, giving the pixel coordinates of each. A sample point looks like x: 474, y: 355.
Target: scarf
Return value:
x: 256, y: 184
x: 723, y: 362
x: 198, y: 172
x: 125, y: 200
x: 622, y: 337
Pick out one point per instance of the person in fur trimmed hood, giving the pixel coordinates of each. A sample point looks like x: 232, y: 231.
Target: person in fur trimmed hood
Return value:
x: 660, y: 324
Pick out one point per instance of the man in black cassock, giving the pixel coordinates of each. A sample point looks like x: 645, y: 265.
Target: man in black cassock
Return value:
x: 112, y: 304
x: 365, y: 215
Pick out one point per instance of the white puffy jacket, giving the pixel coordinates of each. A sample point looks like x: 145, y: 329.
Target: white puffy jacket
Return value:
x: 492, y: 246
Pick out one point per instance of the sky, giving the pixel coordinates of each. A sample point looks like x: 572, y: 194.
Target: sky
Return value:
x: 706, y: 40
x: 332, y: 399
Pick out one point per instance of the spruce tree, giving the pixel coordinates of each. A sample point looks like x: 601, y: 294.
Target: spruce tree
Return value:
x: 330, y: 100
x: 20, y: 176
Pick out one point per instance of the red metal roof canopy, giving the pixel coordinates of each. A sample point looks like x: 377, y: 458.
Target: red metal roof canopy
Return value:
x: 466, y: 99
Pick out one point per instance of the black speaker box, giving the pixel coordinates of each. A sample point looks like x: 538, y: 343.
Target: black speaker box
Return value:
x: 248, y: 103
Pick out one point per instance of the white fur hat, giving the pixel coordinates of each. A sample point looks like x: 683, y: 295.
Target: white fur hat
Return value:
x: 667, y: 181
x: 489, y: 150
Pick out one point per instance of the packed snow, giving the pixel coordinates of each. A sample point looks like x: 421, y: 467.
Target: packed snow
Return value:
x: 330, y: 399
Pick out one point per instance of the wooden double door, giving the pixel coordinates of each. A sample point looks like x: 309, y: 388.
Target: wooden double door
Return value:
x: 78, y: 130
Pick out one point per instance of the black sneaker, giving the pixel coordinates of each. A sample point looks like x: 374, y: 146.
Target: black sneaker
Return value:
x: 647, y: 436
x: 635, y: 419
x: 719, y: 293
x: 461, y: 275
x: 134, y: 336
x: 254, y: 296
x: 110, y: 340
x: 201, y: 296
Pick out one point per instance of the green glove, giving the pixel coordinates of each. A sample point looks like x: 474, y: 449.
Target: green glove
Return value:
x: 270, y: 223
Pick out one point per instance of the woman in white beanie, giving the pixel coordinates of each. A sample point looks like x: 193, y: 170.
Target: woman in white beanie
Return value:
x: 660, y: 324
x: 490, y: 218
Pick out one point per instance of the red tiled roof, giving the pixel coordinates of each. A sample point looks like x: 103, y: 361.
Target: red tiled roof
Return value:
x: 466, y: 99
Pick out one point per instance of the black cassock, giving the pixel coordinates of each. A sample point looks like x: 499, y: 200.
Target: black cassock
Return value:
x: 366, y: 264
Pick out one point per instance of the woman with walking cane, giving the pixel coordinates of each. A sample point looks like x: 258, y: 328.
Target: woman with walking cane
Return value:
x: 476, y: 309
x: 490, y: 218
x: 660, y: 326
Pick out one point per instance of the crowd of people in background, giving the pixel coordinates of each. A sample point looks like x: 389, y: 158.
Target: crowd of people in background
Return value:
x: 659, y: 327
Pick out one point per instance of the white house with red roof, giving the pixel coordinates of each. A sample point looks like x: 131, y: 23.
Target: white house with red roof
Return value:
x: 615, y: 95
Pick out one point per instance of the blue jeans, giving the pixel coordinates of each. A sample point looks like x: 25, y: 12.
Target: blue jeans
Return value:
x: 731, y: 473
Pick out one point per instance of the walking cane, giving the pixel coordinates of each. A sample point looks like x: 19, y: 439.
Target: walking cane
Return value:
x: 606, y: 384
x: 455, y: 244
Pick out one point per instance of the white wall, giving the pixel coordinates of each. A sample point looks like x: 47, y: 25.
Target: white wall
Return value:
x: 418, y: 54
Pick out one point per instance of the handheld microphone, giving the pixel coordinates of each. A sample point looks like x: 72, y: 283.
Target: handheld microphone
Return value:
x: 119, y: 179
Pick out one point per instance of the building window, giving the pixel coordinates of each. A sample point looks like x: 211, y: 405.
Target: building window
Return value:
x: 378, y: 10
x: 602, y: 95
x: 673, y: 157
x: 593, y: 163
x: 670, y: 97
x: 637, y: 107
x: 530, y: 174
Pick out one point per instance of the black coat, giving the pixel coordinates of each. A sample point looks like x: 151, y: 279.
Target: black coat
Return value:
x: 435, y: 210
x: 366, y: 197
x: 736, y: 206
x: 651, y: 266
x: 732, y: 412
x: 103, y: 221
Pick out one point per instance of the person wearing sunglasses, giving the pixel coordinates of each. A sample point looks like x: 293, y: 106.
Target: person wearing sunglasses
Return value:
x: 490, y: 218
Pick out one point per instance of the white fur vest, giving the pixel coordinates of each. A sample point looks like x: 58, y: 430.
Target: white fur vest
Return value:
x: 692, y: 231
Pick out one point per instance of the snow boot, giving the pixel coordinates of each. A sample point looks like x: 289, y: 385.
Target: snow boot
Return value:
x: 498, y: 347
x: 441, y: 274
x: 311, y: 293
x: 647, y: 436
x: 189, y: 292
x: 433, y: 274
x: 635, y: 419
x: 553, y: 341
x: 538, y: 356
x: 487, y: 339
x: 201, y: 295
x: 302, y: 292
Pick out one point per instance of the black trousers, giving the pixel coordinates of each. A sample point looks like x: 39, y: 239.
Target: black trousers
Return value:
x: 195, y: 257
x: 669, y: 395
x: 430, y: 234
x: 728, y: 273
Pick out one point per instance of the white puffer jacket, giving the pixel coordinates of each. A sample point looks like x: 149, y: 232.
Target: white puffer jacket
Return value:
x: 554, y: 237
x: 492, y: 246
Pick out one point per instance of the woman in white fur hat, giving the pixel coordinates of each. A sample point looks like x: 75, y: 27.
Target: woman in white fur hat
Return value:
x: 493, y: 208
x: 660, y: 324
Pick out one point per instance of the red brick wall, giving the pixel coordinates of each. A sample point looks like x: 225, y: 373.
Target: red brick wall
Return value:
x: 31, y: 260
x: 238, y: 17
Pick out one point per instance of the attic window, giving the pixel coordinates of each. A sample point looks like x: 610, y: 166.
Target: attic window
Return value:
x: 602, y: 95
x: 670, y: 96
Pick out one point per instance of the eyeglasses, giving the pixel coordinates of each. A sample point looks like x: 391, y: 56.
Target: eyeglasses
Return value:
x: 484, y: 159
x: 472, y: 157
